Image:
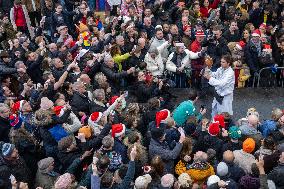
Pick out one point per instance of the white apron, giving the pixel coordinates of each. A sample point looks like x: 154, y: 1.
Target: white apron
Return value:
x: 223, y: 81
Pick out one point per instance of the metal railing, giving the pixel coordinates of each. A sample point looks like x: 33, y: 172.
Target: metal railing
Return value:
x: 272, y: 77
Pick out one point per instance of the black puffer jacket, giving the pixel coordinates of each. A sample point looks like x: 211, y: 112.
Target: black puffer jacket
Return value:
x: 19, y: 169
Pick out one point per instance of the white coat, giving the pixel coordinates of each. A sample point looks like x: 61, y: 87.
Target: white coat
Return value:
x: 185, y: 63
x: 156, y: 66
x: 223, y: 80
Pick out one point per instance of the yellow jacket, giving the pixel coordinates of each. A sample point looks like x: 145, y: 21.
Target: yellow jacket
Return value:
x: 243, y: 76
x: 118, y: 59
x: 197, y: 175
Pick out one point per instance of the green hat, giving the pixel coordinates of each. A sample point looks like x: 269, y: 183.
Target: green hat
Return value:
x: 234, y: 132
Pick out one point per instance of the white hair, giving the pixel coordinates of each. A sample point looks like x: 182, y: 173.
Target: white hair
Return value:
x: 167, y: 180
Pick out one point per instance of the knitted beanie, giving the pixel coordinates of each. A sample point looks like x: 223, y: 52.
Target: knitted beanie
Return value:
x: 7, y: 149
x: 249, y: 145
x: 222, y: 169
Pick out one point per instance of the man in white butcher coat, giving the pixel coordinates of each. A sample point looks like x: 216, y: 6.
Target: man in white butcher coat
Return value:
x: 223, y: 80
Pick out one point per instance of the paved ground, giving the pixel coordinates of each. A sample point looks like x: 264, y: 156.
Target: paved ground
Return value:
x: 263, y: 99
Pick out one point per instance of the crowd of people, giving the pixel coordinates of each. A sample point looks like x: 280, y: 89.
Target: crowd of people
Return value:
x: 86, y: 101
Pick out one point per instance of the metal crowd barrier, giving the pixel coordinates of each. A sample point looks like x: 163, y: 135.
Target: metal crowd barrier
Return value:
x: 272, y: 77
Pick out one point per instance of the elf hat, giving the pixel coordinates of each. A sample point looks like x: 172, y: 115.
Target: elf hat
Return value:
x: 117, y: 130
x: 161, y: 117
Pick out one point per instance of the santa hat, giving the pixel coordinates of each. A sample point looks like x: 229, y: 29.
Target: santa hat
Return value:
x: 199, y: 33
x: 18, y: 106
x: 113, y: 99
x: 219, y: 118
x: 240, y: 45
x: 214, y: 129
x: 95, y: 118
x: 117, y: 130
x: 267, y: 48
x: 15, y: 121
x: 255, y: 33
x: 59, y: 110
x: 161, y: 117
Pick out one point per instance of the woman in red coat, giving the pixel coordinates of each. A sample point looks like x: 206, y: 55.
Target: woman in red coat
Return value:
x: 206, y: 7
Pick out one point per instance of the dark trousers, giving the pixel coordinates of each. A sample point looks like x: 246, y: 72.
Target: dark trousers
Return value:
x: 35, y: 18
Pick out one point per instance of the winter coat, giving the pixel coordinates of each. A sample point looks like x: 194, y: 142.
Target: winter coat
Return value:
x: 120, y: 148
x: 27, y: 147
x: 251, y: 132
x: 144, y: 92
x: 217, y: 51
x: 244, y: 160
x: 31, y: 4
x: 73, y: 124
x: 119, y: 59
x: 185, y: 62
x: 45, y: 180
x: 34, y: 70
x: 277, y: 175
x: 18, y: 168
x: 249, y: 181
x: 27, y: 19
x: 67, y: 158
x: 205, y: 11
x: 80, y: 103
x: 113, y: 77
x: 252, y: 58
x: 156, y: 66
x: 4, y: 129
x: 163, y: 150
x: 235, y: 171
x: 200, y: 171
x: 232, y: 146
x: 5, y: 69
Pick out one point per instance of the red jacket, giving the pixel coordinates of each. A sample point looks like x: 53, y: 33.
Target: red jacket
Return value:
x: 19, y: 15
x: 205, y: 11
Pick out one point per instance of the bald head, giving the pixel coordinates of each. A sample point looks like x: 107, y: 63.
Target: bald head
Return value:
x: 253, y: 120
x: 200, y: 156
x: 228, y: 156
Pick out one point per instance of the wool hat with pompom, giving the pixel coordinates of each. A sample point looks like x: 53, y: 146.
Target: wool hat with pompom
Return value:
x: 234, y: 132
x: 214, y: 129
x: 249, y: 145
x: 161, y: 117
x: 220, y: 119
x: 117, y: 130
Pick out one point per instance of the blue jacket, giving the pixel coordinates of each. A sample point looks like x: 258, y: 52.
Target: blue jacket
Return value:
x: 120, y: 148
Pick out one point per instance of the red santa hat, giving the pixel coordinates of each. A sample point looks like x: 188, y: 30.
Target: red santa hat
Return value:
x: 240, y: 45
x: 199, y: 33
x: 113, y: 99
x: 95, y: 117
x: 267, y: 48
x: 219, y: 118
x: 256, y: 33
x: 161, y: 117
x: 214, y: 129
x: 59, y: 110
x: 117, y: 130
x: 18, y: 106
